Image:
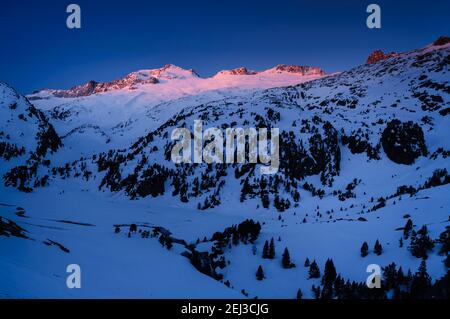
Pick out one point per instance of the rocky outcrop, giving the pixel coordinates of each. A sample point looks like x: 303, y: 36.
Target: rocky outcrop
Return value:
x: 237, y: 71
x: 92, y: 87
x: 9, y: 228
x: 298, y: 69
x: 378, y: 55
x: 443, y: 40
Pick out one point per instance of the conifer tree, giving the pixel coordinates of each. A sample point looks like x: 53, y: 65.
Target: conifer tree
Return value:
x: 265, y: 254
x: 378, y: 249
x: 299, y: 294
x: 407, y: 229
x: 272, y: 249
x: 314, y: 271
x: 421, y: 282
x: 329, y: 276
x: 316, y: 291
x: 260, y: 273
x: 307, y: 262
x: 444, y: 240
x: 364, y: 249
x: 286, y: 260
x: 421, y: 243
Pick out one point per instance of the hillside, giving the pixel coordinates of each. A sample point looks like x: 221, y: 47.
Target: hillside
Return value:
x: 363, y: 157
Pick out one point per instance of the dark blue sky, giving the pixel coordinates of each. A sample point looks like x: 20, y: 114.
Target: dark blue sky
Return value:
x: 117, y: 37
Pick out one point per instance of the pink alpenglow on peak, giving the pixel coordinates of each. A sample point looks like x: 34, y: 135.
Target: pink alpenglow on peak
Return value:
x: 171, y: 81
x: 297, y: 69
x: 237, y: 71
x: 279, y: 69
x: 130, y: 81
x: 379, y: 55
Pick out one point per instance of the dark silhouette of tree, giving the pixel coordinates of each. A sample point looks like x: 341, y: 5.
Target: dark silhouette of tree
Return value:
x: 286, y: 260
x: 407, y: 229
x: 329, y: 276
x: 421, y: 282
x: 314, y: 271
x: 444, y: 240
x: 378, y: 249
x: 421, y: 243
x: 307, y: 262
x: 260, y: 273
x: 364, y: 249
x: 272, y: 249
x: 265, y: 253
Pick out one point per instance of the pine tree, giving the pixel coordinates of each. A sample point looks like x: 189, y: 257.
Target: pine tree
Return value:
x: 286, y: 260
x: 421, y: 243
x: 272, y: 249
x: 444, y: 240
x: 364, y: 249
x: 299, y: 294
x: 407, y: 229
x: 314, y: 271
x: 421, y: 282
x: 265, y: 254
x: 329, y: 276
x: 378, y: 249
x: 316, y: 291
x: 307, y: 262
x: 260, y: 273
x: 390, y: 276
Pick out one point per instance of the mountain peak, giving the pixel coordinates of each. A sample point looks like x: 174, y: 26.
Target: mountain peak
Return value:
x: 168, y: 72
x: 379, y: 55
x: 296, y: 69
x: 442, y: 40
x: 237, y: 71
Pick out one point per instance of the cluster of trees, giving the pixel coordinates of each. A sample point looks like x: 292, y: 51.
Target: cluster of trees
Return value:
x: 420, y: 243
x: 348, y: 191
x: 8, y: 150
x: 262, y: 187
x: 207, y: 262
x: 358, y: 142
x: 377, y: 249
x: 394, y: 283
x: 269, y: 250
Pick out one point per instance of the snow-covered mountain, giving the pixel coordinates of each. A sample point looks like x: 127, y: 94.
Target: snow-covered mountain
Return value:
x: 363, y: 158
x: 125, y: 109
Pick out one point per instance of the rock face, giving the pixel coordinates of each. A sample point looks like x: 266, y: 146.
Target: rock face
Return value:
x: 443, y: 40
x: 93, y: 87
x: 130, y: 81
x: 404, y: 142
x: 238, y: 71
x: 298, y: 69
x: 379, y: 55
x: 9, y: 228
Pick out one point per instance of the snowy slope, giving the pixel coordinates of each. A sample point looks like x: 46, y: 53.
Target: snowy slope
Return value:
x: 122, y: 110
x: 362, y: 152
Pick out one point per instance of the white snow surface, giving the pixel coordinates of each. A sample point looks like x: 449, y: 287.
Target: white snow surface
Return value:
x: 77, y: 215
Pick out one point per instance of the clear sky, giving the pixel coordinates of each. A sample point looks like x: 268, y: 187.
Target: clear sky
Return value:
x: 37, y: 50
